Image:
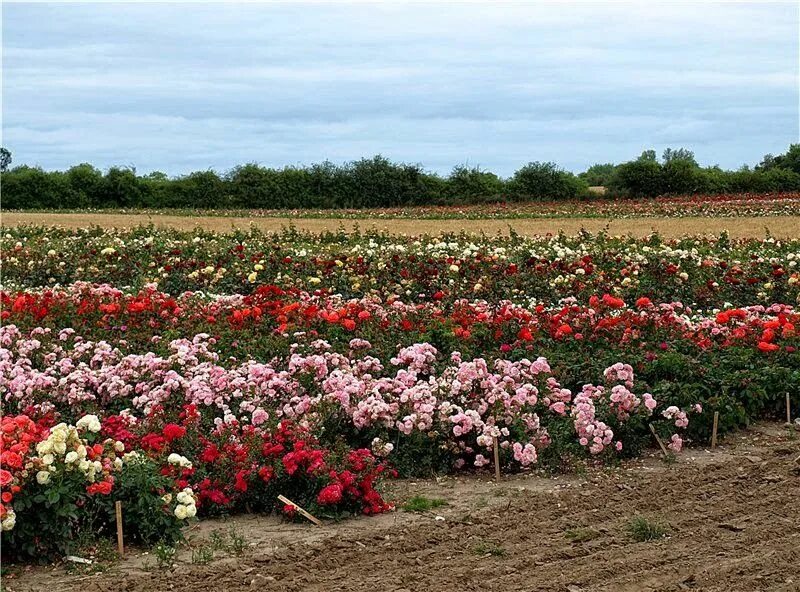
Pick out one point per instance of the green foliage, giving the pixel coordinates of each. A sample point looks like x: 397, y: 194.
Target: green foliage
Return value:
x: 233, y: 544
x: 49, y: 520
x: 488, y: 548
x: 472, y: 184
x: 538, y: 180
x: 581, y: 535
x: 54, y: 519
x: 598, y: 174
x: 789, y: 161
x: 679, y: 173
x: 679, y: 155
x: 146, y: 519
x: 378, y: 182
x: 644, y: 529
x: 202, y: 555
x: 637, y: 178
x: 165, y: 555
x: 420, y: 503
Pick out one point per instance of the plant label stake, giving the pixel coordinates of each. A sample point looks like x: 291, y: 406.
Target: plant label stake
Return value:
x: 496, y: 459
x: 788, y: 409
x: 664, y: 450
x: 118, y: 513
x: 302, y: 512
x: 714, y: 430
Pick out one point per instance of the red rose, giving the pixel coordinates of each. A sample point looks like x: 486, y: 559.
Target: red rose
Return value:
x: 173, y: 431
x: 330, y: 495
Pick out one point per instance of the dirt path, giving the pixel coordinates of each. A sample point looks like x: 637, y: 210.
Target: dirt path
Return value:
x: 743, y: 227
x: 733, y: 516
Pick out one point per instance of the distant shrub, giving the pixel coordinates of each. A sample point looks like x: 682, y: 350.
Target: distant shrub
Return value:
x: 538, y: 180
x: 638, y: 178
x: 472, y: 184
x: 378, y: 182
x: 598, y: 174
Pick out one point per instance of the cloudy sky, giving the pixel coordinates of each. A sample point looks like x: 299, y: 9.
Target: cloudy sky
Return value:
x: 181, y: 87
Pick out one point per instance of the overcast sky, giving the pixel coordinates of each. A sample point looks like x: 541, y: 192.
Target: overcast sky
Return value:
x: 182, y: 87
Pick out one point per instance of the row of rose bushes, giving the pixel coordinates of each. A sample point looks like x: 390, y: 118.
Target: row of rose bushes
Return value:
x: 428, y: 410
x: 702, y: 271
x: 60, y: 481
x: 679, y: 354
x: 257, y: 323
x: 724, y: 205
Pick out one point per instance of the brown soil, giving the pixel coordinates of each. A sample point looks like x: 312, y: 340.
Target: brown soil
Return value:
x: 733, y: 516
x: 741, y: 227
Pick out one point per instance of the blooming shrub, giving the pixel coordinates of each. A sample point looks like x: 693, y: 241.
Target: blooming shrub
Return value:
x: 200, y: 417
x: 65, y: 489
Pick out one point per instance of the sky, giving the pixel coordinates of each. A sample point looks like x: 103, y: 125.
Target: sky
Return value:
x: 179, y: 87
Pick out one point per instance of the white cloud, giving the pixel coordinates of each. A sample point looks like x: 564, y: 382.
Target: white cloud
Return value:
x: 178, y: 87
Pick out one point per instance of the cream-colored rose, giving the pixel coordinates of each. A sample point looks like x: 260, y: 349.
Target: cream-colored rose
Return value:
x: 180, y: 512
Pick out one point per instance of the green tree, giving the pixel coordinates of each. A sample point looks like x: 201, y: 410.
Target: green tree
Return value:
x: 789, y: 161
x: 473, y: 184
x: 681, y: 154
x: 545, y: 180
x: 598, y: 174
x: 638, y: 178
x: 122, y: 188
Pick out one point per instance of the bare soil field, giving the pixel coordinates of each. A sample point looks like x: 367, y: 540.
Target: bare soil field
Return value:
x: 733, y: 518
x: 741, y: 227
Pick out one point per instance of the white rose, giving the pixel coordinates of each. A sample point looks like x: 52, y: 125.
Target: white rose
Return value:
x: 10, y: 520
x: 42, y: 477
x: 191, y: 511
x: 71, y: 457
x: 180, y: 512
x: 90, y: 422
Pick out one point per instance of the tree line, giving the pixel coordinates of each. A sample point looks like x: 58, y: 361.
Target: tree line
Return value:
x: 379, y: 182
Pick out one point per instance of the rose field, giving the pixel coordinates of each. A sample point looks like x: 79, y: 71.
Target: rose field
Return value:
x: 191, y: 374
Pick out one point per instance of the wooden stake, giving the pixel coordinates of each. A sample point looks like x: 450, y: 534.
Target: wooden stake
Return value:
x: 118, y: 512
x: 496, y: 459
x: 664, y: 450
x: 788, y: 409
x: 714, y: 430
x: 302, y: 512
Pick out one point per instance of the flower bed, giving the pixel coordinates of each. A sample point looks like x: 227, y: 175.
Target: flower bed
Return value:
x: 314, y: 367
x: 60, y: 481
x: 696, y: 271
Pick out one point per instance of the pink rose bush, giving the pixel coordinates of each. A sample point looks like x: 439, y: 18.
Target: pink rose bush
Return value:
x: 457, y: 406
